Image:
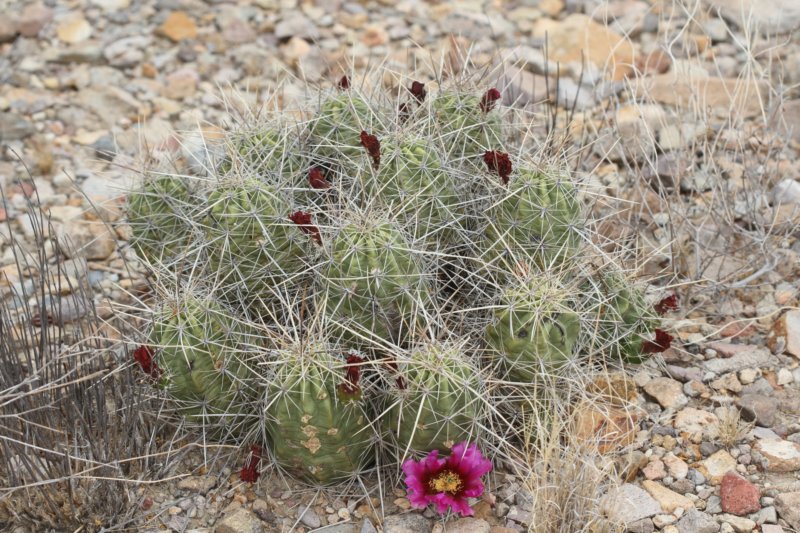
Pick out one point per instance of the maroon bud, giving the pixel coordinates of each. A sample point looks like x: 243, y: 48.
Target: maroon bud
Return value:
x: 352, y: 376
x: 144, y: 356
x: 418, y: 90
x: 499, y: 162
x: 344, y: 83
x: 670, y: 303
x: 303, y: 220
x: 373, y: 147
x: 316, y: 178
x: 249, y: 472
x: 661, y: 343
x: 488, y: 99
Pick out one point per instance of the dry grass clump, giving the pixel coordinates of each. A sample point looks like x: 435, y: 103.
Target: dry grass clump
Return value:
x: 74, y: 426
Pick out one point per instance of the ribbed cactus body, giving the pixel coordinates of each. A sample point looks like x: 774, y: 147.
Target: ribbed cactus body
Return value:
x: 415, y: 187
x: 253, y: 245
x: 274, y: 155
x: 435, y: 400
x: 336, y: 129
x: 202, y: 363
x: 374, y: 284
x: 623, y: 318
x: 534, y: 329
x: 535, y: 221
x: 466, y: 129
x: 316, y: 417
x: 159, y: 214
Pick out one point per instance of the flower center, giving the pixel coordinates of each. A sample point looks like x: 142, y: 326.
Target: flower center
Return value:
x: 448, y: 481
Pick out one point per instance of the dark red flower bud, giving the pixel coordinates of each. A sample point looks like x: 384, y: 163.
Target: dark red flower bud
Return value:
x: 352, y: 376
x: 661, y: 343
x: 488, y: 100
x: 316, y: 178
x: 499, y: 162
x: 303, y: 220
x: 670, y: 303
x: 144, y: 356
x: 249, y: 472
x: 418, y: 90
x: 373, y: 147
x: 344, y: 83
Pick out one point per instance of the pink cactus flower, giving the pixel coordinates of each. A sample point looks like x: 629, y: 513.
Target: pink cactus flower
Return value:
x: 447, y: 483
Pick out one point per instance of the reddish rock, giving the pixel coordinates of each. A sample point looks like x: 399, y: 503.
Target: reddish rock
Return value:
x: 739, y: 496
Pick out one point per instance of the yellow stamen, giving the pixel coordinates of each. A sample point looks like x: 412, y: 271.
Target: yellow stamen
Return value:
x: 449, y: 482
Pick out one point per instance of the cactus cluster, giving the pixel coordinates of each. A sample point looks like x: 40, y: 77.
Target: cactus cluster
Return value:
x: 369, y: 275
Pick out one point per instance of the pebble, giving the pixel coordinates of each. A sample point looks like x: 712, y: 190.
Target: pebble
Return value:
x: 629, y: 503
x: 667, y: 392
x: 177, y: 27
x: 717, y: 465
x: 739, y: 496
x: 667, y: 499
x: 779, y: 455
x: 33, y: 19
x: 695, y: 521
x: 74, y: 29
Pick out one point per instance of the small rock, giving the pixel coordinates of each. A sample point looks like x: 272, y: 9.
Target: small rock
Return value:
x: 641, y: 526
x: 8, y: 30
x: 74, y: 29
x: 759, y: 408
x: 785, y: 376
x: 728, y: 382
x: 693, y: 421
x: 780, y: 455
x: 739, y: 524
x: 127, y: 52
x: 788, y: 506
x: 407, y: 523
x: 177, y: 27
x: 716, y: 466
x: 745, y: 357
x: 310, y: 518
x: 468, y: 525
x: 788, y: 328
x: 14, y: 127
x: 238, y: 31
x: 677, y: 467
x: 577, y: 37
x: 654, y: 469
x: 695, y: 521
x: 667, y: 499
x: 374, y: 36
x: 767, y: 515
x: 181, y: 84
x: 34, y: 17
x: 739, y: 496
x: 240, y: 521
x: 770, y: 528
x: 296, y: 25
x: 628, y: 504
x: 198, y: 484
x: 667, y: 392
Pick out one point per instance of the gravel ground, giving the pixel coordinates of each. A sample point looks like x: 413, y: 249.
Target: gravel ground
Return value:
x: 85, y: 84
